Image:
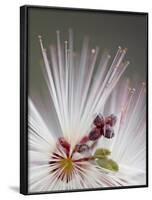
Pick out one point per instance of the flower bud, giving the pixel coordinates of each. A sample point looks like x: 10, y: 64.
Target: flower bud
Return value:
x: 95, y: 134
x: 99, y: 121
x: 108, y: 131
x: 84, y: 140
x: 82, y: 148
x: 64, y: 144
x: 111, y: 120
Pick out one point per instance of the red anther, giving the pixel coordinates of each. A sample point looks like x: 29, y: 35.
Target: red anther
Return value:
x: 111, y: 120
x: 84, y: 140
x: 95, y: 134
x: 64, y: 144
x: 109, y: 132
x: 99, y: 121
x: 82, y: 148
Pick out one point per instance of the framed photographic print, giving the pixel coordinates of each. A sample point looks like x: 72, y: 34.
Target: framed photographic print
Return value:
x: 83, y: 92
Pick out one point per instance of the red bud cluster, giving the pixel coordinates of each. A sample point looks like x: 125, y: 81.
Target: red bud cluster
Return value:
x: 102, y: 127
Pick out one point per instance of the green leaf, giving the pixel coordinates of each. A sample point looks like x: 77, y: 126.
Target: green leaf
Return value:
x: 102, y: 153
x: 108, y: 164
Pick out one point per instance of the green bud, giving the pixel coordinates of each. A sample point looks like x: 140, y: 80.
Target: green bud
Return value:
x: 102, y: 153
x: 114, y: 165
x: 108, y: 164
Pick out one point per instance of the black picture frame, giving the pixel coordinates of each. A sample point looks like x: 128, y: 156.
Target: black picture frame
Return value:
x: 24, y: 75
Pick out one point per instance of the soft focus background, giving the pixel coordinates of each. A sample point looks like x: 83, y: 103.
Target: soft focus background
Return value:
x: 9, y: 101
x: 106, y: 30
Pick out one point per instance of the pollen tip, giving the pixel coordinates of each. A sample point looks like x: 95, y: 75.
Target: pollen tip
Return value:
x: 93, y: 51
x: 40, y: 37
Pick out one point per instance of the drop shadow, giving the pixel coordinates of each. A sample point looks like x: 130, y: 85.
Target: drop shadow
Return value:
x: 14, y: 188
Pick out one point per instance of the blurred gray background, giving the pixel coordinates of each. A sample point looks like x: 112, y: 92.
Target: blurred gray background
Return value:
x: 107, y: 30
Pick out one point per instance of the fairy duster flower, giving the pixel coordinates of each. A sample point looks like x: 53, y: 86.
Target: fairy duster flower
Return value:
x: 101, y: 123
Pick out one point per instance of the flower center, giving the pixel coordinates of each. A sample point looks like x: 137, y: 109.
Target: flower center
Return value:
x: 67, y: 165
